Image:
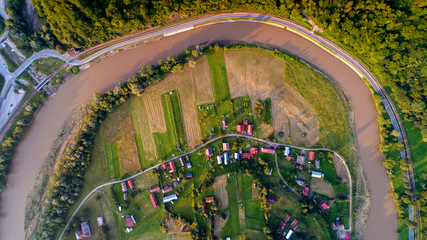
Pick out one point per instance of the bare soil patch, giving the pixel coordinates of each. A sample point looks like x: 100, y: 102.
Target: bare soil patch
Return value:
x: 322, y: 187
x: 292, y: 115
x: 220, y: 191
x: 340, y: 169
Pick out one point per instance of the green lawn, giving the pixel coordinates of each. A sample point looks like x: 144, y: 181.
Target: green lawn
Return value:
x: 218, y: 75
x: 113, y: 161
x: 184, y: 204
x: 174, y: 138
x: 232, y: 227
x: 47, y: 65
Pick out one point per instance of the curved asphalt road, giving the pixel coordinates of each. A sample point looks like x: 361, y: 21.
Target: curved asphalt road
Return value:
x: 275, y: 145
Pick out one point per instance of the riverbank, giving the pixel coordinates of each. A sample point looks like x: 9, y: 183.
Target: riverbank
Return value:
x: 105, y: 75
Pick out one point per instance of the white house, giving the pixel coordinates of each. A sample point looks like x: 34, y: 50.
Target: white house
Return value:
x: 288, y: 236
x: 219, y: 158
x: 317, y: 174
x: 226, y: 158
x: 170, y: 198
x: 286, y: 153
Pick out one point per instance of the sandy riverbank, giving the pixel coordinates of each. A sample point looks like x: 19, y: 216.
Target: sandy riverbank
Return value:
x: 382, y: 223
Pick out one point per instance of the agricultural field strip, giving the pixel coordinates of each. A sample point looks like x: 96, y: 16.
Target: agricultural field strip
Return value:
x: 275, y: 145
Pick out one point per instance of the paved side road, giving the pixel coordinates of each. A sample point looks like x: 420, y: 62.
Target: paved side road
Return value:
x: 275, y: 145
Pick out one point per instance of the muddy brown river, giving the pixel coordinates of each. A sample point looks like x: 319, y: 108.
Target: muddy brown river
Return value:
x: 382, y: 222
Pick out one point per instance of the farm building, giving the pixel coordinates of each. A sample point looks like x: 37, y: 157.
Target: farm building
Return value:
x: 182, y: 161
x: 124, y: 187
x: 153, y: 200
x: 209, y: 199
x: 226, y: 158
x: 306, y: 191
x: 224, y: 123
x: 317, y: 174
x: 125, y: 196
x: 297, y: 166
x: 282, y: 225
x: 317, y: 163
x: 311, y: 156
x: 130, y: 221
x: 130, y: 183
x: 165, y: 166
x: 236, y: 156
x: 155, y: 189
x: 245, y: 122
x: 271, y: 199
x: 100, y: 221
x: 240, y: 128
x: 289, y: 235
x: 175, y: 184
x: 246, y: 155
x: 188, y: 165
x: 250, y: 127
x: 268, y: 150
x: 209, y: 152
x: 324, y: 206
x: 301, y: 160
x: 167, y: 189
x: 226, y: 146
x: 287, y: 218
x: 172, y: 165
x: 254, y: 150
x: 286, y: 152
x: 337, y: 225
x: 170, y: 198
x: 219, y: 159
x: 84, y: 231
x: 189, y: 175
x: 294, y: 224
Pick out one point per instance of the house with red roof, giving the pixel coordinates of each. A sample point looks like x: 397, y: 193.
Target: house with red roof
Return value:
x: 287, y: 218
x: 250, y: 128
x: 240, y: 128
x: 209, y: 199
x: 245, y: 122
x: 289, y: 157
x: 226, y: 146
x: 165, y: 166
x: 324, y: 206
x: 254, y: 150
x: 172, y: 165
x: 155, y: 189
x: 246, y: 155
x: 306, y: 191
x: 130, y: 183
x: 153, y: 200
x: 294, y: 224
x: 311, y: 156
x: 268, y: 150
x: 282, y: 225
x: 84, y: 231
x: 167, y: 189
x: 130, y: 221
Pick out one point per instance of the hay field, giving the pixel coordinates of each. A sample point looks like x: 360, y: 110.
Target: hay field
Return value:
x: 257, y: 73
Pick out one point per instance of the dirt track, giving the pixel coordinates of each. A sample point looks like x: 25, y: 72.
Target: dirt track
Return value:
x: 382, y: 223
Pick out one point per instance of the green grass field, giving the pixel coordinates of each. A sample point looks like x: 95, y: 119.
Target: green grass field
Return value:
x: 47, y: 65
x: 174, y: 138
x: 218, y: 75
x: 334, y: 131
x: 113, y: 161
x: 232, y: 227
